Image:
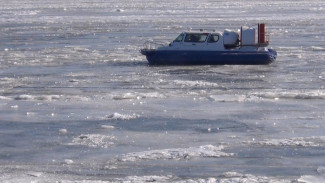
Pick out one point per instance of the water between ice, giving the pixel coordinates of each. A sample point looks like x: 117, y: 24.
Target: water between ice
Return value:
x: 78, y: 103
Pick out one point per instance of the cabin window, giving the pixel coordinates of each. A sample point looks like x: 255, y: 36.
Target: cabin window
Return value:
x: 179, y: 38
x: 213, y: 38
x: 194, y: 37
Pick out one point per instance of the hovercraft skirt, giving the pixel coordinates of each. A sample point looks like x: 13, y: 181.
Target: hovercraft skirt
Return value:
x: 182, y: 57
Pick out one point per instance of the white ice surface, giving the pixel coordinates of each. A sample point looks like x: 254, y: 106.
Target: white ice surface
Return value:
x: 295, y: 141
x: 177, y: 153
x: 118, y: 116
x: 228, y: 177
x: 94, y: 140
x: 76, y: 65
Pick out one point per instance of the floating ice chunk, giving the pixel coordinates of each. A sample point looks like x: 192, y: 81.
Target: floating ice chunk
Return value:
x: 120, y: 10
x: 24, y: 97
x: 73, y: 80
x: 118, y: 116
x: 207, y: 180
x: 107, y: 127
x: 14, y: 107
x: 26, y: 13
x: 137, y: 96
x: 234, y: 177
x: 63, y: 131
x: 292, y: 94
x: 177, y: 154
x: 231, y: 175
x: 34, y: 174
x: 152, y: 95
x: 317, y: 48
x: 4, y: 98
x: 68, y: 161
x: 195, y: 83
x: 311, y: 179
x: 94, y: 140
x: 150, y: 178
x: 30, y: 113
x: 321, y: 170
x: 227, y: 98
x: 41, y: 97
x: 48, y: 97
x: 228, y: 177
x: 296, y: 141
x: 125, y: 96
x: 287, y: 142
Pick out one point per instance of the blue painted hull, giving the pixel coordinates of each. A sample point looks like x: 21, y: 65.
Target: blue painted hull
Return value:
x: 177, y: 57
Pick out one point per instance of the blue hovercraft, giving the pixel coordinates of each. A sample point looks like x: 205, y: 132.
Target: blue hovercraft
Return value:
x: 213, y: 48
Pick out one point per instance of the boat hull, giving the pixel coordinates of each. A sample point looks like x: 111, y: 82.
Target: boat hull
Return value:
x: 181, y: 57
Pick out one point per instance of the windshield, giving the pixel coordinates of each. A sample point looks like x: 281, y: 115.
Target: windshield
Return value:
x: 196, y: 37
x: 179, y: 38
x: 213, y: 38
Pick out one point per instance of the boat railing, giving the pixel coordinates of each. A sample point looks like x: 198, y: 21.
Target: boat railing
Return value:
x: 264, y: 44
x: 256, y: 45
x: 154, y: 44
x: 202, y: 30
x: 266, y: 41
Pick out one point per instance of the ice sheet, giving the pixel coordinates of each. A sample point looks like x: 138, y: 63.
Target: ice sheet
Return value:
x: 76, y: 95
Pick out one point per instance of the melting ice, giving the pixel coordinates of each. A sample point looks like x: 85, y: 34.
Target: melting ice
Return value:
x: 79, y: 103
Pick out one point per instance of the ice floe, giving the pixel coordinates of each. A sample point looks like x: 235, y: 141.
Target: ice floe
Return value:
x: 120, y: 10
x: 4, y: 98
x: 189, y: 83
x: 68, y: 161
x: 291, y: 94
x: 94, y: 140
x: 295, y: 141
x: 118, y: 116
x: 107, y: 127
x: 320, y: 178
x: 137, y: 96
x: 228, y: 177
x: 234, y: 177
x: 177, y: 153
x: 317, y: 48
x: 126, y: 96
x: 35, y: 174
x: 311, y: 179
x: 140, y: 179
x: 39, y: 97
x: 233, y: 98
x: 321, y: 170
x: 84, y: 57
x: 14, y: 107
x: 63, y: 131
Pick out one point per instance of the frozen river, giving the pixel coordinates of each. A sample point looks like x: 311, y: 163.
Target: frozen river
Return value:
x: 79, y: 103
